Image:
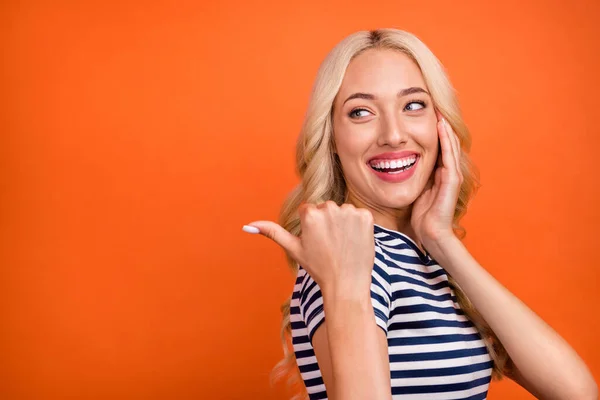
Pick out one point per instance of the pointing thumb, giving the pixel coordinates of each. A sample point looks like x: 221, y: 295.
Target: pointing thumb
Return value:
x: 279, y: 235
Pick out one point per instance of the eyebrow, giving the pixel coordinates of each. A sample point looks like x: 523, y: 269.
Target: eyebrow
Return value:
x: 402, y: 93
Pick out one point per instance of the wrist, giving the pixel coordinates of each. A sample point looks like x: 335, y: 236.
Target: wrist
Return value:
x: 350, y: 293
x: 443, y: 247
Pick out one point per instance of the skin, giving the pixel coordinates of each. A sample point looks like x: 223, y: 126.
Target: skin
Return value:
x: 337, y: 249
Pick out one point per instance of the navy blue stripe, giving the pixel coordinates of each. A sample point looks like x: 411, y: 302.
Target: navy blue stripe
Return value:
x: 403, y: 258
x: 308, y: 289
x: 407, y: 279
x: 299, y: 339
x: 305, y: 353
x: 379, y: 271
x: 421, y: 308
x: 318, y: 396
x: 381, y: 315
x: 306, y: 281
x: 298, y: 325
x: 412, y: 341
x: 438, y: 355
x: 429, y: 323
x: 294, y: 310
x: 314, y: 314
x: 313, y: 381
x: 450, y: 387
x: 308, y: 367
x: 449, y: 371
x: 309, y: 303
x: 379, y: 299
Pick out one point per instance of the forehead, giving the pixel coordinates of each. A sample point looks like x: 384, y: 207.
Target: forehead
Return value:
x: 381, y: 72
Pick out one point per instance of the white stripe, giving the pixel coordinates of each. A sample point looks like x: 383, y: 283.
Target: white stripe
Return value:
x: 416, y: 300
x: 443, y: 330
x: 434, y: 347
x: 443, y: 395
x: 295, y: 318
x: 441, y: 380
x: 311, y: 374
x: 299, y: 332
x: 431, y: 364
x: 302, y: 346
x: 426, y: 316
x: 306, y: 360
x: 316, y: 389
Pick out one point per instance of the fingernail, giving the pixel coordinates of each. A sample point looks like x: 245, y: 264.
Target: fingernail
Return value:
x: 250, y: 229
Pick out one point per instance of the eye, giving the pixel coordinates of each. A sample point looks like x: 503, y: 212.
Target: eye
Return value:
x: 414, y: 106
x: 358, y: 113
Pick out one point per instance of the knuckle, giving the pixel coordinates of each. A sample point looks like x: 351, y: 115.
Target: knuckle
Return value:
x: 308, y: 213
x: 365, y: 215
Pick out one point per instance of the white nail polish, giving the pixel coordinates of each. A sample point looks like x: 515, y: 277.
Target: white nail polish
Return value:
x: 250, y: 229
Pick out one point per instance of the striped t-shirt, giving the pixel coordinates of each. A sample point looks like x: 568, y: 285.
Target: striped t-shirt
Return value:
x: 435, y: 352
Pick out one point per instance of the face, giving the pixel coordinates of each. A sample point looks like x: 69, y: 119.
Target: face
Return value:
x: 385, y: 130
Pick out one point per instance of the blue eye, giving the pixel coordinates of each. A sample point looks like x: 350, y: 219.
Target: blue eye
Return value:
x: 358, y: 113
x: 414, y: 106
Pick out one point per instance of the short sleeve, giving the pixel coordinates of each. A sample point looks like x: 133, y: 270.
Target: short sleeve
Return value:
x: 311, y: 300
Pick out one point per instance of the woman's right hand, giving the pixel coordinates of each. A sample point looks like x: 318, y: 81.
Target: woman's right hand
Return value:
x: 336, y: 246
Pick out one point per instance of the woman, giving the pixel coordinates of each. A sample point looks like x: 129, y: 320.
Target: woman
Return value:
x: 372, y: 232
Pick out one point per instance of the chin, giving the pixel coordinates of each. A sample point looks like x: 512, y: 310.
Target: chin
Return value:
x: 395, y: 199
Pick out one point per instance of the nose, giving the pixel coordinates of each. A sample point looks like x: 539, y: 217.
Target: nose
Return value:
x: 392, y: 131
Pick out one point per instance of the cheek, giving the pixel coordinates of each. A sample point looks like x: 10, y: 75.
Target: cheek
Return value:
x: 351, y: 144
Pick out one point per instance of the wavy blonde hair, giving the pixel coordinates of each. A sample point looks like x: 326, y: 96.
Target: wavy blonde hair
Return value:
x: 322, y: 178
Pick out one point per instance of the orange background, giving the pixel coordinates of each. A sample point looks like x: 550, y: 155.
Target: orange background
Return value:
x: 138, y: 137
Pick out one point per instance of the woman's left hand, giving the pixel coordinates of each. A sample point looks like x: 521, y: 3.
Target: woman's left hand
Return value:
x: 433, y: 211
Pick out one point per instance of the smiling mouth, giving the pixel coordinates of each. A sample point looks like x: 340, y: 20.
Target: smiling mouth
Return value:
x: 394, y: 166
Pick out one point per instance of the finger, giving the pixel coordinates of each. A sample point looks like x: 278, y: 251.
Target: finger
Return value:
x: 276, y: 233
x: 455, y: 145
x: 447, y: 152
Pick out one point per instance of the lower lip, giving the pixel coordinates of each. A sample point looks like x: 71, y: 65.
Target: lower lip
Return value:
x: 398, y: 176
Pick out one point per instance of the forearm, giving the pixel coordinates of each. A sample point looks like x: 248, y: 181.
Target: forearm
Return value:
x: 542, y: 357
x: 359, y: 361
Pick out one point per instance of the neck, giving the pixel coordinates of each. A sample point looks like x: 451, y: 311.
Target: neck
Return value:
x: 395, y: 219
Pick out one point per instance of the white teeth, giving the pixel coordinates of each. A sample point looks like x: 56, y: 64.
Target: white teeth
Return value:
x: 393, y: 164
